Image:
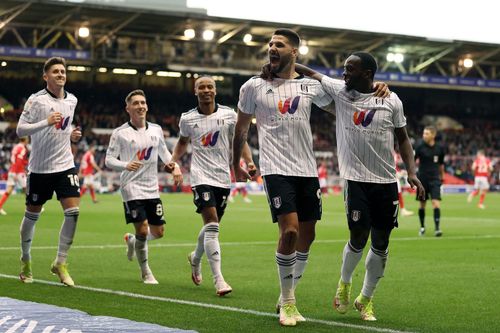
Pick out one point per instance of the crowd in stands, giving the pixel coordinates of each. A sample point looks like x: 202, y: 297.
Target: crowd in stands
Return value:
x: 103, y: 106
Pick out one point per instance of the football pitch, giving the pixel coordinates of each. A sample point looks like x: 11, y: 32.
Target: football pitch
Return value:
x: 447, y: 284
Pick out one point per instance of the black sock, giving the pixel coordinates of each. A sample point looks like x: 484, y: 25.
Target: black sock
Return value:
x: 437, y: 217
x: 421, y: 216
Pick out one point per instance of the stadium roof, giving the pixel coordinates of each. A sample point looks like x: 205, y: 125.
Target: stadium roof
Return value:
x: 151, y: 35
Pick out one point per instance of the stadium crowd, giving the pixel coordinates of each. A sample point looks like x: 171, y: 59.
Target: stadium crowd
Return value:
x: 102, y: 106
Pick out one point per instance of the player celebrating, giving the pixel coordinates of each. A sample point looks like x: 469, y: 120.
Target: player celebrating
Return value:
x: 482, y: 168
x: 47, y: 118
x: 87, y: 167
x: 134, y: 149
x: 210, y: 126
x: 17, y: 170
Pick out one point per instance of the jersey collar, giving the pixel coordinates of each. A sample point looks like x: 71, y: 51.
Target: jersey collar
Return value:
x: 215, y: 110
x: 51, y: 94
x: 131, y: 125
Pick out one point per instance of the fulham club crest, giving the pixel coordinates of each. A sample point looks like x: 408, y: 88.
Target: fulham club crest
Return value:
x: 355, y: 215
x: 206, y: 196
x: 277, y: 202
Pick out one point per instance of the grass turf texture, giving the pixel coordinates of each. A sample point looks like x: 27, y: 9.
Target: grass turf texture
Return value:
x: 431, y: 284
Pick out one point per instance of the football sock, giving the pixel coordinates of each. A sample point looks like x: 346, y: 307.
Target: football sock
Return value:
x: 4, y: 198
x: 200, y: 246
x: 92, y: 193
x: 67, y: 233
x: 83, y: 190
x: 212, y: 249
x: 375, y: 266
x: 421, y: 216
x: 437, y: 217
x: 27, y: 231
x: 481, y: 198
x: 350, y: 259
x: 401, y: 201
x: 141, y: 251
x: 286, y: 267
x: 300, y: 267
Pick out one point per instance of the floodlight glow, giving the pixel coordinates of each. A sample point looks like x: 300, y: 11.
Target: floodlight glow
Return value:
x: 83, y: 32
x: 390, y: 57
x: 102, y: 70
x: 304, y: 49
x: 149, y: 72
x: 189, y: 33
x: 247, y: 38
x: 77, y: 68
x: 468, y: 63
x: 168, y: 74
x: 127, y: 71
x: 4, y: 63
x: 208, y: 34
x: 399, y: 57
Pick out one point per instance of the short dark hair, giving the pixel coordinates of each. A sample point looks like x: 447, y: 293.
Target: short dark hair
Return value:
x: 292, y: 36
x: 367, y: 61
x: 431, y: 128
x: 53, y: 61
x: 134, y: 93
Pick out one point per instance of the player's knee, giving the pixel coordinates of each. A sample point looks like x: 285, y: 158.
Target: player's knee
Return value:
x: 289, y: 236
x: 380, y: 241
x: 359, y: 238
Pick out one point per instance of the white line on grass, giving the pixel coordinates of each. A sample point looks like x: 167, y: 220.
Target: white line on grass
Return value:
x: 212, y: 306
x: 250, y: 243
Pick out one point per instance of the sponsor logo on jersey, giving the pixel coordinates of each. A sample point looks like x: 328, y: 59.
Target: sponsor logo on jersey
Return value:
x: 269, y: 91
x: 144, y: 154
x: 289, y: 105
x: 364, y: 117
x: 62, y: 124
x: 210, y: 139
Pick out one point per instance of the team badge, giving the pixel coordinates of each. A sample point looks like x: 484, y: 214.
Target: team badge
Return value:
x: 206, y: 196
x: 35, y: 197
x: 277, y: 202
x: 355, y: 215
x: 133, y: 212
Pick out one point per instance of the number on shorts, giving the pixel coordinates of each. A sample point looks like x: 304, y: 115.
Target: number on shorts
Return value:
x: 74, y: 181
x: 159, y: 209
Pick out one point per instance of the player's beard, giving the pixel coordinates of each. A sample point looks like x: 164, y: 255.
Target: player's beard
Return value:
x: 284, y: 62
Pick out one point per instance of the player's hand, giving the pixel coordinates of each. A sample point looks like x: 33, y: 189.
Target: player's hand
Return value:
x: 240, y: 174
x: 251, y: 169
x: 416, y: 184
x: 54, y: 118
x: 177, y: 174
x: 169, y: 167
x: 76, y: 134
x: 381, y: 89
x: 134, y: 166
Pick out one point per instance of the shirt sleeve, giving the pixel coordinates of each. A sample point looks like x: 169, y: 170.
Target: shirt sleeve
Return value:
x: 183, y: 128
x: 321, y: 98
x: 398, y: 115
x: 163, y: 152
x: 332, y: 86
x: 248, y: 96
x: 113, y: 153
x: 28, y: 122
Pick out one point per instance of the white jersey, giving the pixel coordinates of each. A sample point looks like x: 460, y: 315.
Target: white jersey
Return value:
x: 50, y: 145
x: 211, y: 138
x: 365, y: 133
x: 128, y: 143
x: 282, y: 109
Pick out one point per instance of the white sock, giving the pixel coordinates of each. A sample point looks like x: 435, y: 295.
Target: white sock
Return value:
x: 67, y: 233
x: 27, y: 231
x: 286, y: 267
x: 200, y: 246
x: 350, y: 259
x: 375, y: 266
x: 212, y: 249
x: 141, y: 252
x: 300, y: 267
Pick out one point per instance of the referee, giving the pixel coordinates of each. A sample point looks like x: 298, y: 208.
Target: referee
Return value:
x: 430, y: 159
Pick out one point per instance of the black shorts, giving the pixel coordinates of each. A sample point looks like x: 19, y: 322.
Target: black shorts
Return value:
x: 288, y: 194
x: 371, y: 205
x: 210, y: 196
x: 432, y: 189
x: 146, y: 209
x: 41, y: 186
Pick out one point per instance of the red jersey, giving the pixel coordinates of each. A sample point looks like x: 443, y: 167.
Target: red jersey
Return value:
x: 398, y: 160
x: 482, y: 167
x: 86, y: 165
x: 19, y: 158
x: 322, y: 172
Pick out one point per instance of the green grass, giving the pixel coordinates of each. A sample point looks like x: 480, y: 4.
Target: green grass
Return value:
x: 430, y: 285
